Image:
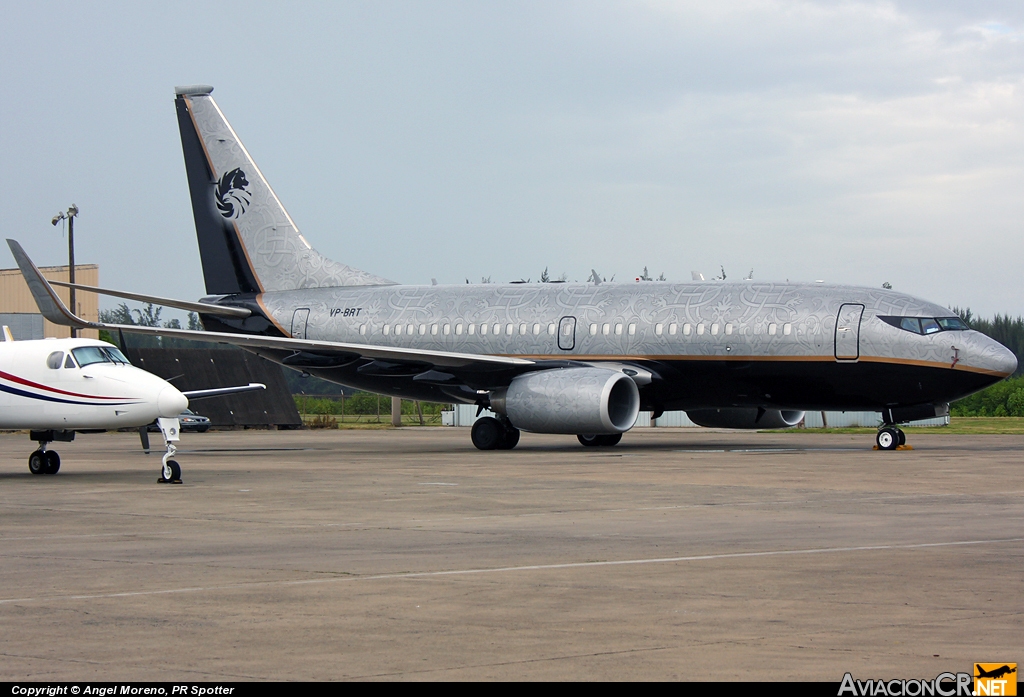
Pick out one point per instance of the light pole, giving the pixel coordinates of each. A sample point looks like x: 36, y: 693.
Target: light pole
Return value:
x: 70, y: 217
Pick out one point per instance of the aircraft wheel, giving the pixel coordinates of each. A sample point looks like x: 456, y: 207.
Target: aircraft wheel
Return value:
x: 887, y: 438
x: 52, y: 462
x: 511, y: 438
x: 901, y: 436
x: 172, y: 471
x: 37, y: 462
x: 599, y: 441
x: 488, y: 433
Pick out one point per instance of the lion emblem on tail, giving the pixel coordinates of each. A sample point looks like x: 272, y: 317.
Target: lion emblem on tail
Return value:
x: 232, y: 198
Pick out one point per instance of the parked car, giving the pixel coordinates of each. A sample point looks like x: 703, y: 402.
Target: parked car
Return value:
x: 190, y: 421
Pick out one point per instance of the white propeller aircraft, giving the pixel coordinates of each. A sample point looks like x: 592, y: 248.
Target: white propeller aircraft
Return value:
x: 56, y: 388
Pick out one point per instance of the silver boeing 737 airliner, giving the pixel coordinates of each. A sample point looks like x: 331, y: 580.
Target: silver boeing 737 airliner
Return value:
x: 569, y: 358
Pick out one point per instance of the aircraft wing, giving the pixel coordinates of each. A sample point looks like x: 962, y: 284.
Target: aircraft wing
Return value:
x: 53, y: 309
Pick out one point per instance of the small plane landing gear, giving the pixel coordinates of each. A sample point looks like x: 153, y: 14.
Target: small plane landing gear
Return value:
x: 170, y: 429
x: 490, y: 433
x: 890, y: 438
x: 43, y: 461
x: 599, y: 441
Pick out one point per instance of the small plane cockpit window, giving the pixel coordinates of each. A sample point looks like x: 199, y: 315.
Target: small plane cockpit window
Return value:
x: 87, y: 355
x: 116, y: 355
x: 54, y: 360
x: 926, y: 325
x: 69, y: 362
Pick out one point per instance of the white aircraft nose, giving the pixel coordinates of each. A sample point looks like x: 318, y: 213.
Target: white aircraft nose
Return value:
x: 171, y: 402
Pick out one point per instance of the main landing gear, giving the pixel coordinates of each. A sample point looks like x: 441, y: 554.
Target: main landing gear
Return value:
x: 599, y: 441
x: 43, y: 461
x: 890, y: 437
x: 490, y: 433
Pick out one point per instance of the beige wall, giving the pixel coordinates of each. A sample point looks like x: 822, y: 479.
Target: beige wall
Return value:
x: 15, y: 296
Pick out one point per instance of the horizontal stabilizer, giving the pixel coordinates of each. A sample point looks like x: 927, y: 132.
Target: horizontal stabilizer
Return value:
x: 54, y: 310
x: 205, y: 308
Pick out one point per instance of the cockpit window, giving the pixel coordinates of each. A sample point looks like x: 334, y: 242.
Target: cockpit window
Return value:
x: 116, y: 355
x: 952, y: 323
x: 87, y: 355
x: 926, y: 325
x: 911, y: 324
x: 54, y: 360
x: 69, y: 362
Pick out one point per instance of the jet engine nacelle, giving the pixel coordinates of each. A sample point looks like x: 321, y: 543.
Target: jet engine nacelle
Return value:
x: 570, y: 400
x: 745, y: 418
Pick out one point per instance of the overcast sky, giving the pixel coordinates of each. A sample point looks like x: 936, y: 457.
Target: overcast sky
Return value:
x: 855, y: 142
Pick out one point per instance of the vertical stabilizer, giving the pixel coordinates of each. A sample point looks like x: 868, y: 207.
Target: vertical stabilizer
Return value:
x: 247, y: 241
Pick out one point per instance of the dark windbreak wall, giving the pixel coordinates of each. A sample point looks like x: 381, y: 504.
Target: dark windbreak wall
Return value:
x: 207, y: 368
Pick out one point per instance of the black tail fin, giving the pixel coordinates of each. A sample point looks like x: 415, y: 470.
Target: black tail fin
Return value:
x: 247, y: 241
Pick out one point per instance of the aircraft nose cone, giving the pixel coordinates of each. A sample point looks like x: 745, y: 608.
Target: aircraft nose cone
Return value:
x: 1005, y: 362
x: 171, y: 402
x: 988, y: 354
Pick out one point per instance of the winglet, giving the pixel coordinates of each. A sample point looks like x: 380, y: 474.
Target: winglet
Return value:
x: 50, y: 305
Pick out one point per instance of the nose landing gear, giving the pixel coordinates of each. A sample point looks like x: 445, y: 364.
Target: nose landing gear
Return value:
x: 891, y: 437
x: 170, y: 429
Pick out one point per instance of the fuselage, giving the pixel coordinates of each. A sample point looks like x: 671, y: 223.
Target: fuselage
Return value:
x: 78, y: 384
x: 707, y: 344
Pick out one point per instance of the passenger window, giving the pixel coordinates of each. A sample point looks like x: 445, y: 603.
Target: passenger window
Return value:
x: 362, y: 329
x: 659, y: 329
x: 411, y: 329
x: 522, y: 329
x: 773, y: 329
x: 458, y: 329
x: 714, y: 329
x: 929, y: 325
x: 471, y: 329
x: 551, y: 329
x: 606, y: 329
x: 54, y: 360
x: 536, y: 328
x: 433, y: 330
x: 69, y: 362
x: 728, y: 329
x: 423, y: 329
x: 618, y: 329
x: 446, y: 329
x: 632, y: 330
x: 483, y: 329
x: 911, y: 324
x: 386, y: 328
x: 593, y: 330
x: 509, y: 329
x: 700, y: 329
x: 787, y: 329
x: 687, y: 329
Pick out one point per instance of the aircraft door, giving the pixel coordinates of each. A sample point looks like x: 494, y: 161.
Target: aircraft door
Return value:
x: 299, y: 319
x: 848, y: 332
x: 567, y: 333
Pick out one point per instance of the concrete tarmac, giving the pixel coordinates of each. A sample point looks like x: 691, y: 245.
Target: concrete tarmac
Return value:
x: 407, y: 554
